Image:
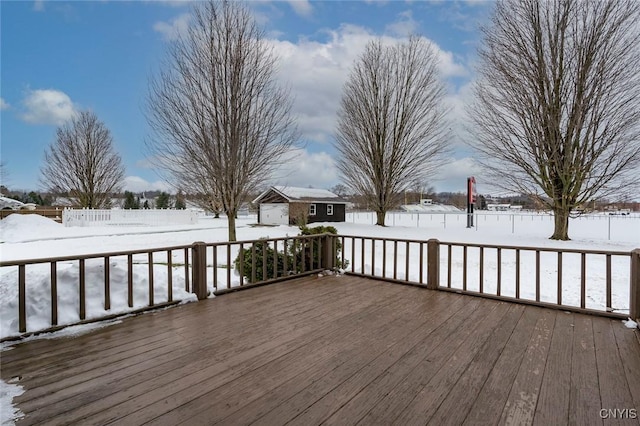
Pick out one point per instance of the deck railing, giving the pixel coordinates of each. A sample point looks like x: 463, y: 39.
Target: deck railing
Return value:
x: 265, y: 261
x: 144, y: 279
x: 512, y: 273
x: 116, y: 276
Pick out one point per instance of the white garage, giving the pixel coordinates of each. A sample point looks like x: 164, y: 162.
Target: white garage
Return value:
x: 274, y: 213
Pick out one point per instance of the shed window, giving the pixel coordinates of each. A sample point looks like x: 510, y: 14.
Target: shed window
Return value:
x: 312, y: 210
x: 329, y: 209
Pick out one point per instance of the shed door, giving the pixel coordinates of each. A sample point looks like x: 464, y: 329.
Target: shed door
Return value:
x: 274, y: 214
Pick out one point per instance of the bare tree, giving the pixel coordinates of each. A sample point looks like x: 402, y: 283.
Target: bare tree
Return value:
x: 221, y: 122
x: 557, y: 102
x: 82, y: 163
x: 391, y: 127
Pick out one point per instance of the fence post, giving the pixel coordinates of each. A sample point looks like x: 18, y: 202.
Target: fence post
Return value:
x: 634, y: 305
x: 199, y: 270
x: 433, y: 264
x: 328, y: 253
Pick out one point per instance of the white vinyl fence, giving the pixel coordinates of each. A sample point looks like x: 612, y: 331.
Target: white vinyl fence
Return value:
x: 144, y: 217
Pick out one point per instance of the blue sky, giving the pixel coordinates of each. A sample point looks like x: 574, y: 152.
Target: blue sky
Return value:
x: 59, y: 57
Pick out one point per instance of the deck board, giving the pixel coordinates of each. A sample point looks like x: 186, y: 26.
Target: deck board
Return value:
x: 338, y: 350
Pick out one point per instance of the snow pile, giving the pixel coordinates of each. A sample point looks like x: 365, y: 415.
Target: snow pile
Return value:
x: 629, y: 323
x: 430, y: 208
x: 20, y: 227
x: 8, y: 413
x: 294, y: 192
x: 38, y: 292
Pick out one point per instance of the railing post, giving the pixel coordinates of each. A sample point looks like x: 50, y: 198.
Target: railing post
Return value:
x: 328, y: 254
x: 433, y: 264
x: 634, y: 305
x: 199, y: 270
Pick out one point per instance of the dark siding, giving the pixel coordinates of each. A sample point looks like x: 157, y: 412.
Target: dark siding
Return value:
x: 322, y: 216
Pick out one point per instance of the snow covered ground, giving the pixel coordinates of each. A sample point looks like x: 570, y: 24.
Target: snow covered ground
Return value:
x: 35, y: 237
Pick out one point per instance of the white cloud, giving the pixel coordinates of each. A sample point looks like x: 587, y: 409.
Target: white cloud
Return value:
x: 47, y: 106
x: 303, y: 168
x: 404, y: 26
x: 317, y: 70
x: 138, y: 184
x: 171, y: 30
x: 301, y: 7
x: 4, y: 105
x: 38, y: 6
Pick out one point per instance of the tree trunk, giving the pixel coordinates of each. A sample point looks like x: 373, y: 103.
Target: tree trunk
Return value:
x: 231, y: 217
x: 380, y: 215
x: 561, y: 225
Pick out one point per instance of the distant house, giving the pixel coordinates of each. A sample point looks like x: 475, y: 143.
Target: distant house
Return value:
x: 286, y: 205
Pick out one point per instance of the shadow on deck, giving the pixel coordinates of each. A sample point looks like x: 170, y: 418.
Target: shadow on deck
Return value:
x: 338, y: 350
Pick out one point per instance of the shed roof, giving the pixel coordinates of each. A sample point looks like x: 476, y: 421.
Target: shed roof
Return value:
x: 292, y: 193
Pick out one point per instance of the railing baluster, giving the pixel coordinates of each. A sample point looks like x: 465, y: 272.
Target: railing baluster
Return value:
x: 315, y: 248
x: 275, y: 259
x: 384, y: 258
x: 294, y: 247
x: 449, y: 250
x: 499, y: 272
x: 609, y: 308
x: 241, y: 266
x: 22, y: 300
x: 82, y: 308
x: 517, y: 273
x: 464, y: 268
x: 215, y: 267
x: 284, y: 259
x: 421, y: 261
x: 559, y: 268
x: 362, y: 255
x: 228, y: 265
x: 186, y: 269
x: 253, y: 263
x: 169, y: 277
x: 341, y: 253
x: 303, y: 250
x: 373, y: 256
x: 395, y: 259
x: 130, y: 280
x: 537, y: 275
x: 319, y: 251
x: 151, y: 278
x: 54, y: 293
x: 107, y: 287
x: 353, y: 254
x: 583, y: 277
x: 406, y: 269
x: 481, y: 277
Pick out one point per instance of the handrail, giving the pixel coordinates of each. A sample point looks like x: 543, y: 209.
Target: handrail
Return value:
x: 89, y: 256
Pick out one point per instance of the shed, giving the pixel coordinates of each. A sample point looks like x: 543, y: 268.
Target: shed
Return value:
x: 282, y: 205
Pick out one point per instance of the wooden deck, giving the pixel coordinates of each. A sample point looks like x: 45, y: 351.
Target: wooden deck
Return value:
x: 335, y: 350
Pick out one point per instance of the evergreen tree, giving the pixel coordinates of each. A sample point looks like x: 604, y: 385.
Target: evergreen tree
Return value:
x: 131, y: 201
x: 163, y: 201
